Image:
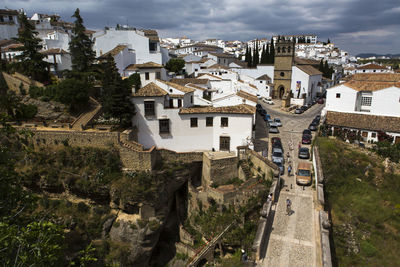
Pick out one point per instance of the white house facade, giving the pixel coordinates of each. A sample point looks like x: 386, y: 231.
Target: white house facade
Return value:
x: 368, y: 102
x: 166, y: 118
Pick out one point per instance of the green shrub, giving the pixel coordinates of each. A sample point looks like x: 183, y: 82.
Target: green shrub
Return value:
x: 82, y: 207
x: 141, y: 223
x: 116, y: 224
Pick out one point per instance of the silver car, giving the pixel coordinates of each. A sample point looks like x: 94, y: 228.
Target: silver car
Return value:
x: 278, y: 122
x: 277, y: 155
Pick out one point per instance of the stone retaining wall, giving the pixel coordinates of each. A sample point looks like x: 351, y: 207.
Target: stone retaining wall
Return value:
x: 324, y: 222
x: 265, y: 223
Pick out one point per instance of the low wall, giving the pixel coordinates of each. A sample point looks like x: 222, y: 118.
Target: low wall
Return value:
x: 265, y: 222
x: 185, y: 249
x: 132, y: 155
x: 261, y: 163
x: 324, y: 221
x: 297, y: 101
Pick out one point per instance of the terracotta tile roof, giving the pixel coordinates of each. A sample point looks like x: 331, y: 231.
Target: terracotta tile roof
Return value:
x: 373, y: 81
x: 8, y: 12
x: 222, y: 55
x: 178, y: 87
x: 147, y: 65
x: 239, y: 109
x: 217, y: 66
x: 197, y: 87
x: 189, y: 80
x: 264, y: 77
x: 209, y: 75
x: 305, y: 61
x: 6, y: 42
x: 364, y: 121
x: 243, y: 64
x: 176, y: 96
x: 12, y: 47
x: 151, y: 34
x: 371, y: 66
x: 113, y: 52
x: 247, y: 96
x: 150, y: 89
x: 310, y: 70
x: 54, y: 51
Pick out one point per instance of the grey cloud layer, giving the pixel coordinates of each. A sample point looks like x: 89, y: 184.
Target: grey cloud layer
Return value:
x: 347, y: 22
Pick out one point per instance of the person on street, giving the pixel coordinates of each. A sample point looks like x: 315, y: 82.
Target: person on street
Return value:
x: 269, y: 199
x: 289, y: 169
x: 288, y: 206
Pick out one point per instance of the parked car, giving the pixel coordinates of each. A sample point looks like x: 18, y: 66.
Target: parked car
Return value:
x: 317, y: 118
x: 281, y: 167
x: 304, y: 153
x: 267, y: 117
x: 306, y: 139
x: 277, y: 155
x: 273, y: 129
x: 320, y: 101
x: 313, y: 126
x: 303, y: 174
x: 269, y: 102
x: 298, y: 111
x: 303, y: 108
x: 263, y: 112
x: 278, y: 122
x: 276, y: 143
x: 306, y: 131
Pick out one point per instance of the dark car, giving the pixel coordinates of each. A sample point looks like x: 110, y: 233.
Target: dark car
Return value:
x: 263, y: 112
x: 306, y: 139
x: 304, y: 153
x: 313, y: 126
x: 303, y: 108
x: 306, y: 131
x: 298, y: 111
x: 281, y: 167
x: 320, y: 101
x: 258, y: 107
x: 317, y: 118
x: 276, y: 142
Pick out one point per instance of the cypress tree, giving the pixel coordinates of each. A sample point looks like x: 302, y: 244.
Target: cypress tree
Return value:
x: 329, y: 41
x: 321, y: 66
x: 30, y: 61
x: 263, y: 55
x: 80, y: 47
x: 115, y: 94
x: 257, y: 55
x: 272, y: 52
x: 247, y: 58
x: 326, y: 69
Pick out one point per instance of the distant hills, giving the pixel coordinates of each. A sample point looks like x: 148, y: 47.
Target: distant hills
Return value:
x: 366, y: 55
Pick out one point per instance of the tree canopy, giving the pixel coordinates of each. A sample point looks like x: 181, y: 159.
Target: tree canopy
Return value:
x: 30, y: 61
x: 175, y: 65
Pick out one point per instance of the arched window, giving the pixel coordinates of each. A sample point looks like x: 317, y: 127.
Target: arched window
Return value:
x: 283, y: 49
x: 288, y: 49
x: 279, y: 49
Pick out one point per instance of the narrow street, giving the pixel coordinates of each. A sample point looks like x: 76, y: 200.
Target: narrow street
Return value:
x: 293, y: 240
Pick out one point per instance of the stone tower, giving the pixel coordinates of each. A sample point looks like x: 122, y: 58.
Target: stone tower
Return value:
x: 284, y: 57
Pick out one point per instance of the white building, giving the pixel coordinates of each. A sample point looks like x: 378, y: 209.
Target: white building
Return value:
x: 166, y: 118
x: 198, y: 49
x: 372, y: 68
x: 145, y: 44
x: 123, y: 57
x: 149, y: 72
x: 309, y: 38
x: 368, y: 102
x: 306, y: 82
x: 58, y: 58
x: 8, y: 24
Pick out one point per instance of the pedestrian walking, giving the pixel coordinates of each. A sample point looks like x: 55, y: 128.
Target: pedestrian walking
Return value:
x: 288, y: 206
x: 289, y: 169
x: 299, y: 145
x: 269, y: 199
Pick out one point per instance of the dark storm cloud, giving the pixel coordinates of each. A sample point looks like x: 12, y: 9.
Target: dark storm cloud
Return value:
x: 355, y: 25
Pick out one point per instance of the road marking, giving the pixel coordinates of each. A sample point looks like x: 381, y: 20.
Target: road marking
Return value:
x: 292, y: 240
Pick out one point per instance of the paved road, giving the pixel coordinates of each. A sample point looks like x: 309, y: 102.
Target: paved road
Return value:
x: 293, y: 238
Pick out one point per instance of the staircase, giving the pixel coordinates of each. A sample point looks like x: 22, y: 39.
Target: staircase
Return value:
x: 246, y: 169
x: 86, y: 117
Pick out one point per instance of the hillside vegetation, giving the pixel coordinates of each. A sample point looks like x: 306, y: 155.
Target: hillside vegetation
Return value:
x: 363, y: 197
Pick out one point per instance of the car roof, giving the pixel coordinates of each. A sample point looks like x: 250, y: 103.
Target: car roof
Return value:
x: 304, y: 165
x: 304, y: 148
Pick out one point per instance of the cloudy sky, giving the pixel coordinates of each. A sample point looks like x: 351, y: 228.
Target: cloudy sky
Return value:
x: 357, y: 26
